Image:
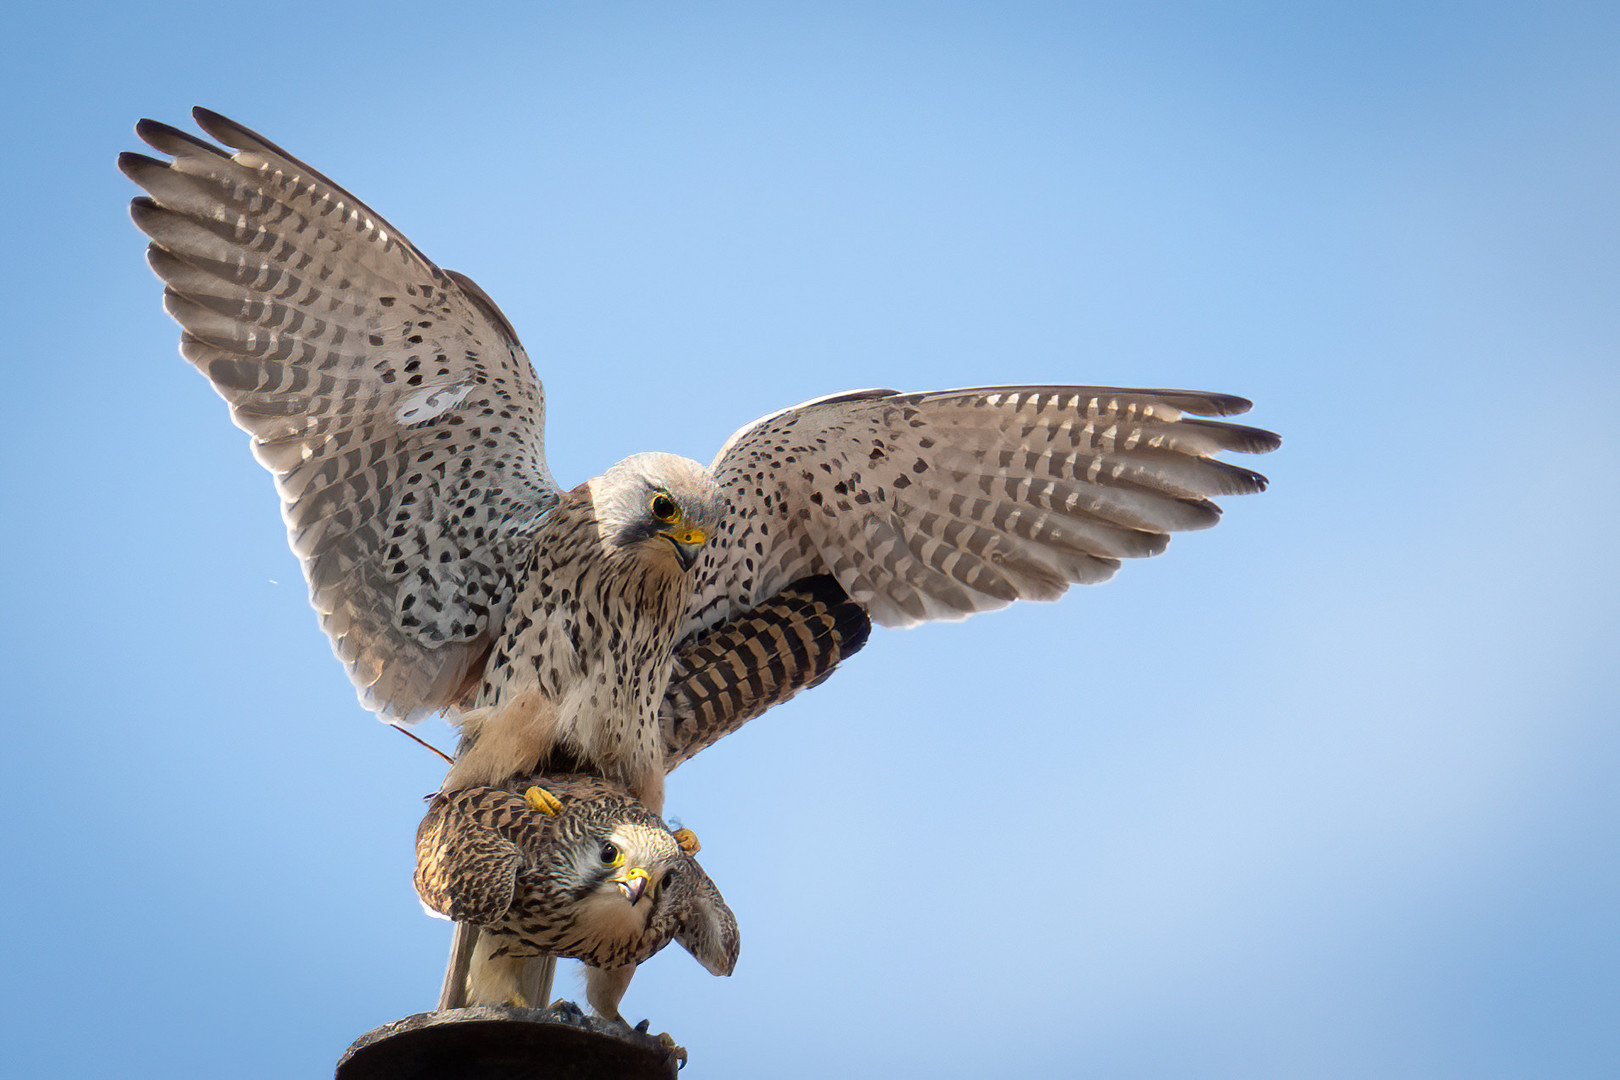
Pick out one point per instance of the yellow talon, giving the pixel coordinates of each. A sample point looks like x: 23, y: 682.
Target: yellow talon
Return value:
x: 544, y: 801
x: 688, y: 841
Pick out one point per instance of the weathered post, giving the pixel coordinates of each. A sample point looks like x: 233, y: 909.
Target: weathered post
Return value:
x: 498, y: 1043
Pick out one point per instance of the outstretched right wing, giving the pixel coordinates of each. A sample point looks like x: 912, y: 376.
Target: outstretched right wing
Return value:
x: 391, y: 400
x: 940, y: 504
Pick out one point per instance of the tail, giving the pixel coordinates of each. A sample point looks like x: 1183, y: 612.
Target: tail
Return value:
x: 454, y: 993
x: 537, y: 975
x: 473, y: 977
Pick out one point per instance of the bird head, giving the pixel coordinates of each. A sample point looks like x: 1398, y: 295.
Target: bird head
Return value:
x: 623, y: 872
x: 658, y: 505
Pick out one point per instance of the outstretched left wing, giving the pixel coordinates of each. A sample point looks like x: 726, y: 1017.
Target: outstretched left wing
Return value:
x: 390, y: 398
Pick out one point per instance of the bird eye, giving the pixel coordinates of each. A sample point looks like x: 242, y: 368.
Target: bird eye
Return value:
x: 664, y: 508
x: 610, y: 854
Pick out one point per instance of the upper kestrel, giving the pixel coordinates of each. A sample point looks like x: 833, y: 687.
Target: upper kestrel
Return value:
x: 404, y: 426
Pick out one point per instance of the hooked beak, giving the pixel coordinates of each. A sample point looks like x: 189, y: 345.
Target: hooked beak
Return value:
x: 633, y: 884
x: 688, y: 541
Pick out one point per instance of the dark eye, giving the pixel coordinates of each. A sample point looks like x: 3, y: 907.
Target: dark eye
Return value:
x: 609, y: 853
x: 664, y: 508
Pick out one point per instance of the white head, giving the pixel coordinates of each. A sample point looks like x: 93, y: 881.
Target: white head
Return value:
x: 658, y: 505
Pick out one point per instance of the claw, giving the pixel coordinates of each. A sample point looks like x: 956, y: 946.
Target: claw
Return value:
x: 544, y: 801
x: 568, y: 1012
x: 643, y: 1026
x: 674, y: 1050
x: 688, y: 841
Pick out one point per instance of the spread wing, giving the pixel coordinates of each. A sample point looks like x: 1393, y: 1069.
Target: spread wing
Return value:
x: 938, y: 505
x: 391, y: 400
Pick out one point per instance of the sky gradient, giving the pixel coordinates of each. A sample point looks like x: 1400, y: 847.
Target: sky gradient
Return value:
x: 1327, y: 791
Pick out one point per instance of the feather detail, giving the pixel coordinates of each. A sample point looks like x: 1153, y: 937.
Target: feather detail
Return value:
x: 937, y: 505
x: 390, y: 399
x: 730, y: 674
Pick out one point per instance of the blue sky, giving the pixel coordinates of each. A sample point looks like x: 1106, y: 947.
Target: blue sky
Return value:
x: 1325, y: 792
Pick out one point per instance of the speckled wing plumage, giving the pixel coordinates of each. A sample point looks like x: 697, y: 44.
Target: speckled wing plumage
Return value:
x: 469, y: 849
x: 938, y: 505
x: 730, y: 674
x: 391, y: 400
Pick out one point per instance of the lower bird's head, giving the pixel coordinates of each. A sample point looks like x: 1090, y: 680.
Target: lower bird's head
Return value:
x: 622, y: 872
x: 626, y: 885
x: 660, y: 506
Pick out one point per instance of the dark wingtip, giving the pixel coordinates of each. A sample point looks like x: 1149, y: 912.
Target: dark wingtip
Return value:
x: 214, y: 123
x: 171, y: 140
x: 141, y: 208
x: 1265, y: 441
x: 130, y: 164
x: 1230, y: 404
x: 241, y: 137
x: 1248, y: 440
x: 854, y: 626
x: 1201, y: 402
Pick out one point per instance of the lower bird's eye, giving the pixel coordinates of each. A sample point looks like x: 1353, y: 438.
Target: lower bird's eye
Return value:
x: 664, y: 508
x: 610, y: 854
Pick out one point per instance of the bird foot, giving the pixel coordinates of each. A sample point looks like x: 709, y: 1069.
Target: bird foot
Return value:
x: 544, y: 801
x: 567, y: 1012
x: 688, y: 841
x: 672, y: 1049
x: 664, y: 1041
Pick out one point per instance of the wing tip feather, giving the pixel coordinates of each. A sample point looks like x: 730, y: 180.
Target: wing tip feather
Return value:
x: 236, y: 135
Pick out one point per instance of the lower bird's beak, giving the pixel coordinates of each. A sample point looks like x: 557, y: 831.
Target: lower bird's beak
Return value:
x: 633, y: 884
x: 688, y: 541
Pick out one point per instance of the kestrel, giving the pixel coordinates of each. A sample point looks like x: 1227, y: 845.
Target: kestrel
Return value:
x: 573, y: 866
x: 403, y: 423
